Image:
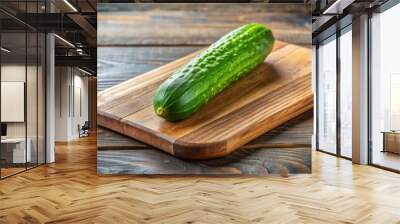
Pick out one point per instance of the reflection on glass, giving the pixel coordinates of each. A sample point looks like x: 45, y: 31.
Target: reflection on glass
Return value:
x: 31, y: 99
x: 327, y: 96
x: 385, y: 89
x: 345, y: 94
x: 41, y: 98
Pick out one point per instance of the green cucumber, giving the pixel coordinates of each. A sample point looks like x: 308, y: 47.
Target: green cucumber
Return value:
x: 225, y: 61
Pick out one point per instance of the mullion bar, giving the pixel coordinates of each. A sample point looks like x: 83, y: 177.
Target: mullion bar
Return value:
x: 338, y: 76
x: 37, y: 91
x: 316, y: 96
x: 47, y: 5
x: 26, y: 87
x: 0, y: 97
x: 369, y: 91
x: 72, y: 104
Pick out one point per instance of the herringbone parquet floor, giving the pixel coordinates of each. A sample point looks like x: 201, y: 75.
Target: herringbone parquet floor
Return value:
x: 70, y: 191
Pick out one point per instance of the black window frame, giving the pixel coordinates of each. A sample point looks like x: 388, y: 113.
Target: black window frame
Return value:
x: 342, y: 26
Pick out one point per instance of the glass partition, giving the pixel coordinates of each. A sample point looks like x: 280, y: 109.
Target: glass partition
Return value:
x: 22, y: 77
x: 32, y: 98
x: 13, y: 94
x: 41, y: 97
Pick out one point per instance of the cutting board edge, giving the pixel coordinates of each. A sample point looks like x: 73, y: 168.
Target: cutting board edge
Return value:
x: 217, y: 149
x: 184, y: 149
x: 307, y: 107
x: 106, y: 120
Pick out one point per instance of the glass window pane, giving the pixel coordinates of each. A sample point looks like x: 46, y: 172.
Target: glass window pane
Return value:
x: 41, y: 98
x: 345, y: 94
x: 23, y: 87
x: 385, y: 89
x: 327, y: 96
x: 13, y: 86
x: 31, y: 88
x: 31, y: 98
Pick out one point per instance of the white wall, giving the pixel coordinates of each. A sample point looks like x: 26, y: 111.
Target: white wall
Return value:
x: 70, y: 83
x: 80, y: 110
x: 62, y: 81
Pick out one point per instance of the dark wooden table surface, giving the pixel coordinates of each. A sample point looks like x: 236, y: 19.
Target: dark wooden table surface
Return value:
x: 136, y: 38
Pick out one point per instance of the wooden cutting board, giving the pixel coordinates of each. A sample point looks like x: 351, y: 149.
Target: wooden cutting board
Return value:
x: 275, y: 92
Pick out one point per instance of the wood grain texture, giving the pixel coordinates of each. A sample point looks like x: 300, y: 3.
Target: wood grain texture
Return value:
x: 197, y: 24
x: 283, y: 150
x: 71, y: 191
x: 275, y: 92
x: 255, y: 162
x: 121, y: 56
x: 295, y: 132
x: 117, y: 64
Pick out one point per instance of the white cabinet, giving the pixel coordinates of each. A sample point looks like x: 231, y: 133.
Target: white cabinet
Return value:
x: 17, y: 146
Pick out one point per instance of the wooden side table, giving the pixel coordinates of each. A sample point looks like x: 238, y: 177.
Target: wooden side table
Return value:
x: 391, y: 141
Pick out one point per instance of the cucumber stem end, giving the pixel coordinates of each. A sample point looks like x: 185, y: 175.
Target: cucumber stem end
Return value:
x: 160, y: 111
